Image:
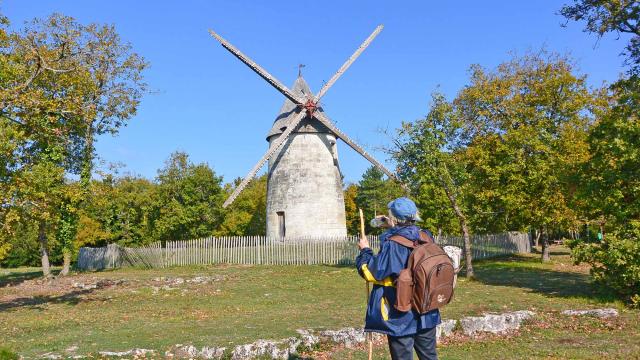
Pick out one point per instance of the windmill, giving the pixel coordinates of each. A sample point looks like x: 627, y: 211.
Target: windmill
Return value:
x: 304, y: 186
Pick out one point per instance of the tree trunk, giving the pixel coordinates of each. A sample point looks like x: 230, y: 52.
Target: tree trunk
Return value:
x: 538, y: 233
x: 462, y: 219
x: 85, y: 183
x: 467, y: 249
x: 66, y: 265
x: 545, y: 247
x: 44, y: 249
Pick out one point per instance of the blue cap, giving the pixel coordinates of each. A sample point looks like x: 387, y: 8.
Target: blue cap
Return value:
x: 404, y: 209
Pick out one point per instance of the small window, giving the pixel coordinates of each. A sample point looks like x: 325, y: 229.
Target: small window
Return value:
x: 282, y: 229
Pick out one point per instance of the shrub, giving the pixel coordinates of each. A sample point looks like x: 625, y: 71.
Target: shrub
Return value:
x: 615, y: 263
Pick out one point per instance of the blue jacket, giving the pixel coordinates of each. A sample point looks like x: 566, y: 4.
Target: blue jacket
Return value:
x: 382, y: 270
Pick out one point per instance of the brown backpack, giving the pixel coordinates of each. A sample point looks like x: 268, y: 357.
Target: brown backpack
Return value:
x: 427, y: 282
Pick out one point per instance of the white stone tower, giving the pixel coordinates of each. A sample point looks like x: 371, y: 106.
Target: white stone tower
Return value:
x: 304, y: 186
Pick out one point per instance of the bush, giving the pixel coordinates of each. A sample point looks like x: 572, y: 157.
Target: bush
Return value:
x: 615, y: 263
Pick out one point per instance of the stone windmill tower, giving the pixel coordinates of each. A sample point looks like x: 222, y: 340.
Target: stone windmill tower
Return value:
x: 304, y: 189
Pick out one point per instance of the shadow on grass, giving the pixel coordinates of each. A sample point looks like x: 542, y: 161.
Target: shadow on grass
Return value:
x: 36, y: 302
x: 528, y: 273
x: 15, y: 278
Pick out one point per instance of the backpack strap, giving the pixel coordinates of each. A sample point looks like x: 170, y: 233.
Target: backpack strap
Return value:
x: 424, y: 238
x: 403, y: 241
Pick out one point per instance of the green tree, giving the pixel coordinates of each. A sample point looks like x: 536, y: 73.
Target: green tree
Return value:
x: 248, y: 213
x: 428, y: 155
x: 373, y: 195
x: 189, y: 200
x: 610, y: 188
x: 604, y: 16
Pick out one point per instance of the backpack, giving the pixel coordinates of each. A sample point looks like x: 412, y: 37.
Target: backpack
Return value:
x: 427, y: 282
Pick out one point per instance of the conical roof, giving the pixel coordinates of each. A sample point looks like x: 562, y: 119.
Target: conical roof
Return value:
x: 287, y: 113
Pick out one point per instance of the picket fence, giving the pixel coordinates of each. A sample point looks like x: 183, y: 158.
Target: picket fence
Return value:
x: 260, y: 250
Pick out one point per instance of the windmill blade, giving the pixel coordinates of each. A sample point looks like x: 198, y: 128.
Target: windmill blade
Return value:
x: 258, y: 69
x: 272, y: 149
x: 349, y: 61
x: 328, y: 123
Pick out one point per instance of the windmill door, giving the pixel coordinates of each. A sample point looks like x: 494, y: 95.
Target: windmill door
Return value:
x: 282, y: 229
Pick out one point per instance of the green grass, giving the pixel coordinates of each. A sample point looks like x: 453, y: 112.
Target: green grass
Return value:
x: 273, y: 301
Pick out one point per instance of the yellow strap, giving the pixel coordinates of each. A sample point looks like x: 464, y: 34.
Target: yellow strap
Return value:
x: 369, y: 277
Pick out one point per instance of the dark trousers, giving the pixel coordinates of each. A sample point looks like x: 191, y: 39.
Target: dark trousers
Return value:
x: 401, y: 348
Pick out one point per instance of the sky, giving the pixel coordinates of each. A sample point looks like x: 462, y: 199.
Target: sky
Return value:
x: 208, y: 104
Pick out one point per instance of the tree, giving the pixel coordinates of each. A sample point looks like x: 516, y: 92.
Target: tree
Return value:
x: 428, y: 156
x: 374, y: 193
x: 610, y: 177
x: 248, y: 213
x: 351, y: 209
x: 604, y: 16
x: 189, y: 200
x: 63, y: 83
x: 37, y: 89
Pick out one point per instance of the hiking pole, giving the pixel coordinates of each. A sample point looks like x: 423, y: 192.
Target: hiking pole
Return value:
x: 363, y: 234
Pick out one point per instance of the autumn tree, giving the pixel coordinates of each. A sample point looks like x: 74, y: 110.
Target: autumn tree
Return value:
x: 351, y: 209
x: 527, y: 122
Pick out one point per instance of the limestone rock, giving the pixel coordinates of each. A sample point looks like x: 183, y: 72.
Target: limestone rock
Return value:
x: 308, y: 339
x: 273, y: 349
x: 185, y: 351
x: 212, y: 352
x: 494, y: 323
x: 348, y: 337
x: 601, y: 313
x: 132, y: 352
x: 445, y: 328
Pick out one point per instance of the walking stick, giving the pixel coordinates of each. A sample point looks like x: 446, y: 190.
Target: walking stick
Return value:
x: 363, y: 234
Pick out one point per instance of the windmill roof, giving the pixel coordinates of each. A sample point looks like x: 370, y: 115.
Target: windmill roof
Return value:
x: 287, y: 113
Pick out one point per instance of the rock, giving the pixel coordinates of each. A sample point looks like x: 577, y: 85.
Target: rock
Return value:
x: 601, y: 313
x: 50, y: 355
x: 83, y: 286
x: 494, y: 323
x: 212, y: 352
x: 71, y: 349
x: 185, y: 351
x: 347, y: 336
x: 132, y: 352
x: 445, y: 328
x: 273, y: 349
x: 115, y: 353
x: 307, y: 339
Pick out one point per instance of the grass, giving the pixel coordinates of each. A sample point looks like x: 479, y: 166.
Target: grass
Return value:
x: 245, y: 303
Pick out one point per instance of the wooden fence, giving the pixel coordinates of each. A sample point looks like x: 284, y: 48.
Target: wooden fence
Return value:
x: 260, y: 250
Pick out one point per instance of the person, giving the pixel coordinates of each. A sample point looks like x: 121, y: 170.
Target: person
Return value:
x: 405, y: 331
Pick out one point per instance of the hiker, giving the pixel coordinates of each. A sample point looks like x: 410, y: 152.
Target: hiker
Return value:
x: 405, y: 330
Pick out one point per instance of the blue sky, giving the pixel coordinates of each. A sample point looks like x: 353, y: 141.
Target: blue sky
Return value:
x: 208, y: 104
